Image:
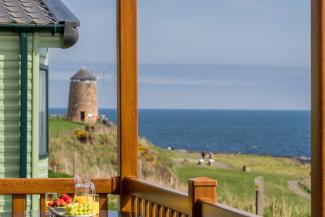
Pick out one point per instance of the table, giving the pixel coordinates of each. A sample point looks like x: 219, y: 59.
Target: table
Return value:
x: 37, y: 214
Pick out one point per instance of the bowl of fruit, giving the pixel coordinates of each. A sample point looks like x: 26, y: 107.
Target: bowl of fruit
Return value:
x: 59, y: 204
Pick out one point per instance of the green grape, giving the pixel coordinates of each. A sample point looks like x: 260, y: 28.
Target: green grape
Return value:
x: 80, y: 208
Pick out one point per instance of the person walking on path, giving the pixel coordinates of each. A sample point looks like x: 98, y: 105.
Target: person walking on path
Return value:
x: 210, y: 160
x: 202, y: 159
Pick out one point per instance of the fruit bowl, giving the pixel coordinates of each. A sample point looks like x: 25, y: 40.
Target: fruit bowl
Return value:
x: 90, y: 215
x: 58, y: 211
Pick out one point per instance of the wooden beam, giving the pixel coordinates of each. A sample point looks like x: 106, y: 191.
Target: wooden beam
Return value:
x: 43, y: 185
x: 213, y: 209
x: 318, y: 108
x: 127, y: 95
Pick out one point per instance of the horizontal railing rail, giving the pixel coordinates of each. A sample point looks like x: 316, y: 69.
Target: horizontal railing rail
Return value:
x: 61, y: 185
x: 209, y: 209
x: 20, y: 187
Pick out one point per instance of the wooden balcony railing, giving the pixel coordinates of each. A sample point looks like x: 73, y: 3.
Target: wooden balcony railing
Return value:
x: 147, y: 199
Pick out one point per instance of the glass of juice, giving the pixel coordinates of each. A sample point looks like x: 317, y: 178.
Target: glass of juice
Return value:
x: 96, y: 204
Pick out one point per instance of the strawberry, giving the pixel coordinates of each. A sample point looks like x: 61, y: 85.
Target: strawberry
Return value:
x: 57, y: 202
x: 64, y: 197
x: 63, y: 204
x: 69, y: 200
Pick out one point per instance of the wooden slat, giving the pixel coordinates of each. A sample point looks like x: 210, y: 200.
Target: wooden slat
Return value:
x: 159, y: 211
x: 153, y: 209
x: 134, y: 206
x: 42, y: 186
x: 140, y: 207
x: 174, y: 213
x: 18, y: 205
x: 209, y: 209
x: 147, y: 208
x: 127, y: 95
x: 318, y: 109
x: 159, y: 195
x: 166, y: 212
x: 43, y: 205
x: 103, y: 205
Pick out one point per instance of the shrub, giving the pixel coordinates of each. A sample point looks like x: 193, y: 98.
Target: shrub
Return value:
x: 81, y: 135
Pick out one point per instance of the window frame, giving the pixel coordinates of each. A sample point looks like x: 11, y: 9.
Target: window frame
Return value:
x: 43, y: 155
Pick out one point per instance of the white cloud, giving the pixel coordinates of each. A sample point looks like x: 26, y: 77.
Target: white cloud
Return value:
x: 187, y: 82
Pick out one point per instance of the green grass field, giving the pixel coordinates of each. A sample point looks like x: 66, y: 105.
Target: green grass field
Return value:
x: 53, y: 174
x: 57, y: 126
x: 237, y: 188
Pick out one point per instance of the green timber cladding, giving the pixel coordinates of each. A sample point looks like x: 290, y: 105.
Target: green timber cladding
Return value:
x: 10, y: 105
x: 24, y: 41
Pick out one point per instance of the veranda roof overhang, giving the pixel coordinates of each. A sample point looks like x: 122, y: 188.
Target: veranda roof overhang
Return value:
x: 40, y: 16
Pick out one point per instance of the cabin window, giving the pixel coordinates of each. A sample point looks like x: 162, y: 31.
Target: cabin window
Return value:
x: 43, y: 116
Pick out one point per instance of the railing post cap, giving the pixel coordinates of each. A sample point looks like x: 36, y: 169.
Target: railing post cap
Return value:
x: 202, y: 181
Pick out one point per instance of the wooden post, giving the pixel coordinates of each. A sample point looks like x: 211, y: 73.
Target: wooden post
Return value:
x: 318, y: 109
x: 259, y: 189
x: 42, y: 205
x: 127, y: 95
x: 103, y: 205
x: 18, y: 205
x: 200, y: 188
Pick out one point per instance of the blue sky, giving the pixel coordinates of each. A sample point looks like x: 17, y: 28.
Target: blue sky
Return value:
x: 225, y: 54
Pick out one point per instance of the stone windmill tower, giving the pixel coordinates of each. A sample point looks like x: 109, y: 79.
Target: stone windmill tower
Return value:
x: 82, y: 98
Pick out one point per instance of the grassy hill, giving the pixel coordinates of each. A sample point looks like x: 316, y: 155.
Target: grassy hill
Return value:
x: 172, y: 168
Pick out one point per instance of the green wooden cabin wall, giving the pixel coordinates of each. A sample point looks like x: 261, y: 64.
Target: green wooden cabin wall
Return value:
x: 10, y: 107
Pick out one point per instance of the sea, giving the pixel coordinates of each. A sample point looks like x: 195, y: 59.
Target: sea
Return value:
x: 261, y: 132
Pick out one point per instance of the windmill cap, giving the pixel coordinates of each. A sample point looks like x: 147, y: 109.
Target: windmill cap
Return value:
x: 83, y: 75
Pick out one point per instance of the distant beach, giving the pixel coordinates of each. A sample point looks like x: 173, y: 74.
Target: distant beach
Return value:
x: 274, y: 133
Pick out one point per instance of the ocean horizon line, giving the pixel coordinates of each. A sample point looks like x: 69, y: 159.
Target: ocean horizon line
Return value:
x: 201, y: 109
x: 259, y: 132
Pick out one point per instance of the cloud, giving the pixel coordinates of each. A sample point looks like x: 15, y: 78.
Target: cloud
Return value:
x: 151, y: 80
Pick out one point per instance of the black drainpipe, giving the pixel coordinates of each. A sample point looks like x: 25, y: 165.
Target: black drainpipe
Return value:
x: 23, y: 103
